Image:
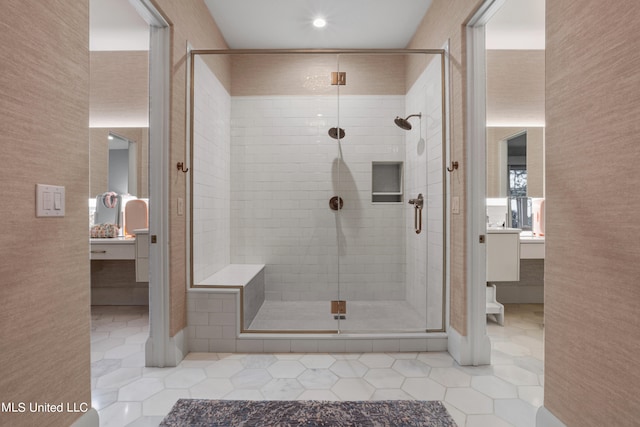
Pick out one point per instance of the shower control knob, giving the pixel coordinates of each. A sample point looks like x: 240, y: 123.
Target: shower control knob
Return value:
x: 418, y: 202
x: 336, y: 203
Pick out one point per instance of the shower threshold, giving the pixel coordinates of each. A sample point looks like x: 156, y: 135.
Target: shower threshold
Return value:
x: 363, y: 317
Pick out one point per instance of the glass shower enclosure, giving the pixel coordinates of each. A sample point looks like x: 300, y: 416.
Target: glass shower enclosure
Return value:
x: 328, y: 168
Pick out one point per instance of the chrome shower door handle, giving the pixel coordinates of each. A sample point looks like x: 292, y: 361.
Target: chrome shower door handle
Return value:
x: 417, y: 212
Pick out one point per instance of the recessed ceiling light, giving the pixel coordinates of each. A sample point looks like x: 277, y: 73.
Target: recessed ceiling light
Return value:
x: 319, y: 23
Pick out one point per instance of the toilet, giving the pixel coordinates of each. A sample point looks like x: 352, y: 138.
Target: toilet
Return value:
x: 136, y: 216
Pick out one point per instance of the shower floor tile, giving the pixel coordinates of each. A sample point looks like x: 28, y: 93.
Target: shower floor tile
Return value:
x: 362, y: 316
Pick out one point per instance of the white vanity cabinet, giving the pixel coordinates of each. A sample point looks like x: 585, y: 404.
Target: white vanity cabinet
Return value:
x: 142, y: 255
x: 531, y: 247
x: 115, y: 248
x: 125, y: 248
x: 503, y: 254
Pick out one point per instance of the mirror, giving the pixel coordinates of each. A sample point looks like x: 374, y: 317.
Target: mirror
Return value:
x: 133, y: 160
x: 526, y: 160
x: 515, y: 170
x: 122, y: 165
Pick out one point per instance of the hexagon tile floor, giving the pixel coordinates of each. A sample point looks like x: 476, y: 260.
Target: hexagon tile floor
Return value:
x: 507, y: 393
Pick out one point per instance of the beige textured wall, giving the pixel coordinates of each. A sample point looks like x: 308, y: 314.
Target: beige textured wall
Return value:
x: 190, y: 22
x: 113, y: 282
x: 119, y: 89
x: 535, y: 162
x: 592, y: 332
x: 444, y: 21
x: 98, y: 161
x: 44, y: 269
x: 515, y: 87
x: 220, y: 65
x: 294, y: 74
x: 143, y: 162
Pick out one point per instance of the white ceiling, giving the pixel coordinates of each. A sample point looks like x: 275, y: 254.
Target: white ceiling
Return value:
x: 519, y: 24
x: 286, y: 24
x: 115, y: 25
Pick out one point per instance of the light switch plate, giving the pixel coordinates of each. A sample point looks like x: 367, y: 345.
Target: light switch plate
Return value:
x: 49, y: 201
x: 455, y: 205
x: 180, y: 206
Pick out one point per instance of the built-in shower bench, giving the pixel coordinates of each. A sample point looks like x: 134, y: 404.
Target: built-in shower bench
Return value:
x: 215, y: 323
x: 247, y: 278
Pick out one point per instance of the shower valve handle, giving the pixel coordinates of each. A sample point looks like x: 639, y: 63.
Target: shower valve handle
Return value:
x: 418, y: 202
x: 417, y: 213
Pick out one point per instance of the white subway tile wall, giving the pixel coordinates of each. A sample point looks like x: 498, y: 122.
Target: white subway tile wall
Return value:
x: 214, y: 327
x: 424, y: 174
x: 285, y: 169
x: 211, y: 174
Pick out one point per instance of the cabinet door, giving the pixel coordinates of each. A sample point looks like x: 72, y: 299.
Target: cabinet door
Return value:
x: 503, y: 257
x: 142, y: 257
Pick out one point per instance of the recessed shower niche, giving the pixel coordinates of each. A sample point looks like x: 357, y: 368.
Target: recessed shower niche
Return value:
x: 263, y: 168
x: 386, y: 182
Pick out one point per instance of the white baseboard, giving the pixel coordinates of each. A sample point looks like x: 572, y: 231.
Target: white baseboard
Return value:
x: 178, y: 347
x: 88, y: 419
x: 544, y: 418
x: 174, y: 351
x: 460, y: 349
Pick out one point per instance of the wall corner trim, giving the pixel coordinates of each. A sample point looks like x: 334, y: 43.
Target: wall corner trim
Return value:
x: 174, y: 351
x: 88, y: 419
x: 178, y: 347
x: 460, y: 348
x: 544, y: 418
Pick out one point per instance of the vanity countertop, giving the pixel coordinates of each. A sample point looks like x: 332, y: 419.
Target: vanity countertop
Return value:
x: 531, y: 246
x: 503, y: 230
x: 113, y: 241
x: 529, y: 237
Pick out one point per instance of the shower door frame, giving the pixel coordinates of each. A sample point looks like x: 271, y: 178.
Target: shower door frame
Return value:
x: 442, y: 53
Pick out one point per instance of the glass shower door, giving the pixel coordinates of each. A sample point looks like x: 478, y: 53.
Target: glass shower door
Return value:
x: 391, y: 251
x: 283, y: 107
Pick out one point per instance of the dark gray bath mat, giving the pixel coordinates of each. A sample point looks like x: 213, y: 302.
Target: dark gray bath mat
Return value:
x: 308, y: 413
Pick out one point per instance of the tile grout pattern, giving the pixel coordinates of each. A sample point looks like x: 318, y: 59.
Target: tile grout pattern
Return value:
x: 507, y: 393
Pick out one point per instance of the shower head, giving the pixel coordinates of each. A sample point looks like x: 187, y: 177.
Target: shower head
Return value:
x: 404, y: 123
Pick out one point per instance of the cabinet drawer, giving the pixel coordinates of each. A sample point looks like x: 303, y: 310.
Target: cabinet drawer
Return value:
x: 113, y: 251
x: 531, y: 250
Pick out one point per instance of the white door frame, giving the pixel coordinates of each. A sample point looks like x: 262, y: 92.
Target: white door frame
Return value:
x: 476, y: 349
x: 160, y: 349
